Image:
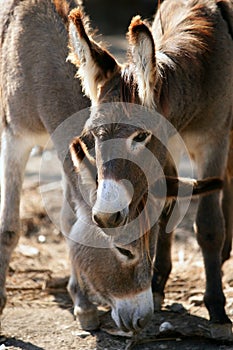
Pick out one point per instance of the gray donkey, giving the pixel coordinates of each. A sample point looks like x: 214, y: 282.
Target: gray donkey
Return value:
x: 37, y: 93
x: 182, y: 66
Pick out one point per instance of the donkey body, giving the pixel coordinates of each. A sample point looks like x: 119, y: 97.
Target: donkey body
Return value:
x: 182, y: 66
x: 38, y: 92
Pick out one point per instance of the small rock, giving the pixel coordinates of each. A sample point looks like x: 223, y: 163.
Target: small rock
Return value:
x: 2, y: 347
x: 27, y: 250
x: 166, y: 327
x: 41, y: 239
x: 163, y: 346
x: 81, y: 334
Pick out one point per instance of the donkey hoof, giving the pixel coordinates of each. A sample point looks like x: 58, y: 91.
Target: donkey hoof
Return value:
x: 158, y: 301
x: 88, y: 319
x: 221, y: 331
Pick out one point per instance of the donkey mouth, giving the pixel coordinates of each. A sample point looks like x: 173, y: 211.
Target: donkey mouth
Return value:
x: 133, y: 313
x: 110, y: 220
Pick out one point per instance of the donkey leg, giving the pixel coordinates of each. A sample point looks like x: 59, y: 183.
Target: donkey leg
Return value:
x: 68, y: 216
x: 14, y: 156
x: 210, y: 226
x: 84, y: 309
x: 210, y: 236
x: 227, y: 203
x: 162, y: 266
x: 163, y: 261
x: 227, y: 207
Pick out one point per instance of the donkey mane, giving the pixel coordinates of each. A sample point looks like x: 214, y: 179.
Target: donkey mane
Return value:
x: 188, y: 33
x: 183, y: 44
x: 129, y: 88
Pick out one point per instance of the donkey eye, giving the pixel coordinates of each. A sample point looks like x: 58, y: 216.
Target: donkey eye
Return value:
x: 141, y: 136
x: 125, y: 252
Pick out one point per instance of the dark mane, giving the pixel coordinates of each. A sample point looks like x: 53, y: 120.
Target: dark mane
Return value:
x: 120, y: 88
x: 129, y: 88
x: 184, y: 39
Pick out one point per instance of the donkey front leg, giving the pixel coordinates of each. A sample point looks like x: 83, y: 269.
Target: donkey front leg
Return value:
x: 68, y: 217
x: 210, y: 223
x: 227, y: 203
x: 14, y: 155
x: 211, y: 235
x: 227, y: 206
x: 162, y: 267
x: 163, y: 261
x: 84, y: 310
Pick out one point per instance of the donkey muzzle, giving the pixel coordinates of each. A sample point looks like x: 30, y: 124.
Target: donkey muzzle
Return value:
x: 112, y: 205
x: 132, y: 314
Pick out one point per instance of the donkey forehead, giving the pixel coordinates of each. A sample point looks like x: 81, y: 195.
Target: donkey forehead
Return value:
x: 115, y: 130
x: 119, y: 120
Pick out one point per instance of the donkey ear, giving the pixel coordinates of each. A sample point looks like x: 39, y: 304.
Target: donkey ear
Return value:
x: 95, y: 64
x: 142, y: 48
x: 82, y: 151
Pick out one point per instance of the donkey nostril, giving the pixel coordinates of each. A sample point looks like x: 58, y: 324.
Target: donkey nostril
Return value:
x: 97, y: 220
x: 108, y: 219
x: 117, y: 217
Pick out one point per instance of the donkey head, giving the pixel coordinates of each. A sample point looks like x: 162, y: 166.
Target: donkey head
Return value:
x: 121, y: 151
x: 104, y: 80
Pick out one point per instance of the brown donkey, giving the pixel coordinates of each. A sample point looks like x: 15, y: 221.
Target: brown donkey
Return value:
x: 181, y: 66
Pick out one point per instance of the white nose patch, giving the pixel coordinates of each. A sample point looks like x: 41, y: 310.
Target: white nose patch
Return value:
x: 113, y: 196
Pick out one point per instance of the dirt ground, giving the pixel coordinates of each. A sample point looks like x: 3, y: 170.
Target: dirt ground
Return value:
x: 38, y: 315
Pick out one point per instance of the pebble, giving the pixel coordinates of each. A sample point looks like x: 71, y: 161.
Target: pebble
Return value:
x: 81, y: 334
x: 163, y: 346
x: 165, y: 327
x: 27, y: 250
x: 41, y: 239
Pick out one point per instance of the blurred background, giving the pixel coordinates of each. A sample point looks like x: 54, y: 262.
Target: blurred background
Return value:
x: 113, y: 17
